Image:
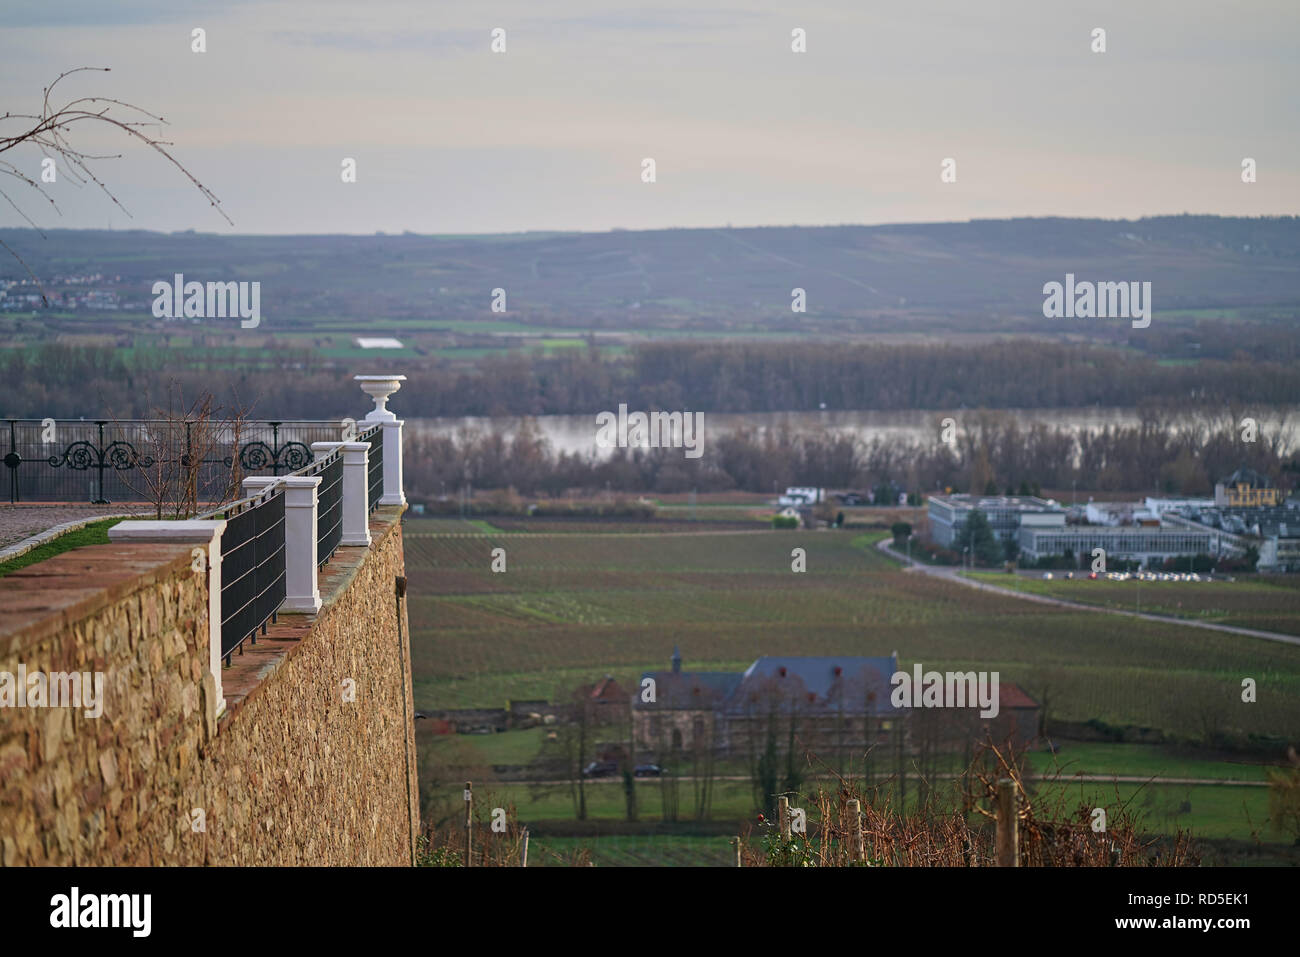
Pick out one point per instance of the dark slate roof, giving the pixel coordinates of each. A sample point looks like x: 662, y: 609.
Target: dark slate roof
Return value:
x: 815, y: 685
x: 1248, y: 476
x: 688, y: 690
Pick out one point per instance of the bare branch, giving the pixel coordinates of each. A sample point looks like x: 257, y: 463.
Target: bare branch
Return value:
x: 48, y: 132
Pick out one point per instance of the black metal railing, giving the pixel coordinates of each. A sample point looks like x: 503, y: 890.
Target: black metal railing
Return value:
x: 374, y: 464
x: 329, y: 505
x: 106, y: 460
x: 252, y: 566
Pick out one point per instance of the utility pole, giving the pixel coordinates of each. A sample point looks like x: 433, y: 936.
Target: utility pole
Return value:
x: 469, y: 822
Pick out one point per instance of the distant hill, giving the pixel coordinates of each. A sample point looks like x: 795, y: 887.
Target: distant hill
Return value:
x: 978, y: 277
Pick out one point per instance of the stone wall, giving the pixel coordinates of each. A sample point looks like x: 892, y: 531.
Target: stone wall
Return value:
x: 292, y: 773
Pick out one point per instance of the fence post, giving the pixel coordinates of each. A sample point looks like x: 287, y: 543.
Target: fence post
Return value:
x: 302, y: 593
x: 354, y: 504
x: 356, y: 492
x: 856, y: 850
x: 379, y: 388
x: 1008, y: 833
x: 469, y: 822
x: 736, y: 841
x: 523, y: 850
x: 204, y: 534
x: 783, y: 815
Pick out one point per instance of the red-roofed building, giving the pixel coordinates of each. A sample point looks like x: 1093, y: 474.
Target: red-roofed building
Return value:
x: 1019, y: 716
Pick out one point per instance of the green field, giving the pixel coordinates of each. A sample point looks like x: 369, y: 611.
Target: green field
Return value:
x: 1140, y: 760
x: 480, y: 751
x: 574, y: 606
x: 614, y: 598
x: 1262, y: 603
x: 620, y: 850
x: 1212, y: 811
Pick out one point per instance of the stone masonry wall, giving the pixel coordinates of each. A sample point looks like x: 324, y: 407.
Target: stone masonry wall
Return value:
x: 291, y: 774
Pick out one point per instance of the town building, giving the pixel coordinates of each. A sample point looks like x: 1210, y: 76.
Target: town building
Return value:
x: 1007, y: 515
x: 1177, y: 505
x: 1246, y: 488
x: 831, y: 705
x: 1120, y: 513
x: 1273, y: 532
x: 1140, y: 543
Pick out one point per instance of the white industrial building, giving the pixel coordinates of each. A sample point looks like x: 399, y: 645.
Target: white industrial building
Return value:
x: 1144, y: 544
x: 1007, y: 514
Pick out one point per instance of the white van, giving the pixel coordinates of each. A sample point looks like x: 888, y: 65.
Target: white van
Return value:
x: 802, y: 495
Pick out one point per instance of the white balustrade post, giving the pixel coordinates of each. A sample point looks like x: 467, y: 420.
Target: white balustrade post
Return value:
x: 356, y: 493
x: 379, y: 388
x: 204, y: 534
x: 302, y: 593
x: 393, y: 493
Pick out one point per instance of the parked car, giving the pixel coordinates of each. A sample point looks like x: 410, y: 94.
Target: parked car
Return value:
x: 648, y: 771
x: 600, y: 769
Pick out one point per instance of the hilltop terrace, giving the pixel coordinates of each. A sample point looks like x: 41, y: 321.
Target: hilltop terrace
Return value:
x: 264, y: 506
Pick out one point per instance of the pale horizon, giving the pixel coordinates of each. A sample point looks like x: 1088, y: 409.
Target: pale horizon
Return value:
x: 453, y: 139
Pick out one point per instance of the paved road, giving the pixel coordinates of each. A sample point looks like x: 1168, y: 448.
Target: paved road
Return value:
x: 580, y: 533
x: 952, y: 574
x: 1061, y: 778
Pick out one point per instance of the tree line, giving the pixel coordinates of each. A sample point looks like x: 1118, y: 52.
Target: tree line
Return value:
x: 280, y: 382
x: 990, y: 453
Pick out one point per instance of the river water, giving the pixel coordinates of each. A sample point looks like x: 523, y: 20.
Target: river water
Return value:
x: 577, y: 433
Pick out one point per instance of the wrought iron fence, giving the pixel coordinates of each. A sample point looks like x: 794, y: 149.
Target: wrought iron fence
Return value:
x: 105, y: 460
x: 375, y: 464
x: 252, y: 566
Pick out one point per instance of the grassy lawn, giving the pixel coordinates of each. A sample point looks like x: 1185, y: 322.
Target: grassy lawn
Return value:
x: 506, y: 747
x: 627, y: 850
x: 96, y: 533
x: 1204, y: 811
x: 1138, y: 760
x: 483, y: 526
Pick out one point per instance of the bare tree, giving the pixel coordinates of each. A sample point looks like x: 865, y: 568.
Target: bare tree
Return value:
x: 574, y: 735
x: 668, y: 757
x: 179, y: 465
x: 703, y: 752
x: 49, y: 132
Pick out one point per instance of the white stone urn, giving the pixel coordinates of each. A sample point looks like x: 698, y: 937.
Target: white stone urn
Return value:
x: 379, y: 388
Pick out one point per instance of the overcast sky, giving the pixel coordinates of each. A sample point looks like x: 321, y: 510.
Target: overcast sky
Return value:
x: 450, y: 137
